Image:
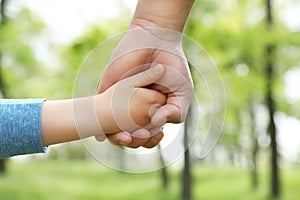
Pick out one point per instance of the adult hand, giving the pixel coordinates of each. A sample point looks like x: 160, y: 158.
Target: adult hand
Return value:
x: 154, y: 37
x: 135, y: 54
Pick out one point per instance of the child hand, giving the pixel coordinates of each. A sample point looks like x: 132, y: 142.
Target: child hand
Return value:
x: 127, y: 105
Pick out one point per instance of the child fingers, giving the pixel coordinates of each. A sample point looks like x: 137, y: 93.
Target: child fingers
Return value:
x: 147, y: 77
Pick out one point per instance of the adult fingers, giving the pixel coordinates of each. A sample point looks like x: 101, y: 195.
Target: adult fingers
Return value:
x: 100, y: 138
x: 134, y: 140
x: 139, y: 138
x: 154, y: 140
x: 122, y: 138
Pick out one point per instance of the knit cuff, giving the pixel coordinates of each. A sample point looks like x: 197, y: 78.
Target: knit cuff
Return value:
x: 20, y: 127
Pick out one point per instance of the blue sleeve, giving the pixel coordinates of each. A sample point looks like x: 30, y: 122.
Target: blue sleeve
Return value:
x: 20, y: 127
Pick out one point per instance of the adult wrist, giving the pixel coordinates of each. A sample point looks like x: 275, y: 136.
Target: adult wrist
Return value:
x: 169, y: 14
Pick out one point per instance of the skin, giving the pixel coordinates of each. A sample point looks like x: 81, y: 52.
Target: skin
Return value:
x: 99, y: 114
x: 149, y: 18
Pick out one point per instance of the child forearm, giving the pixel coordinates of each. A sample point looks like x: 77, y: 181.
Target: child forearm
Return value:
x: 69, y: 120
x: 58, y: 124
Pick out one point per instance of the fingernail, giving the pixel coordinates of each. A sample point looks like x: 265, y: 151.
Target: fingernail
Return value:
x: 125, y: 140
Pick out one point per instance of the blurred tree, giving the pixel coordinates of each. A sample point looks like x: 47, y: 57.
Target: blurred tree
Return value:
x: 255, y: 146
x: 270, y: 77
x: 187, y: 173
x: 2, y: 84
x: 164, y: 171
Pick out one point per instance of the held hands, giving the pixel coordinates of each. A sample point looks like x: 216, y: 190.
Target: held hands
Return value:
x: 142, y: 46
x: 127, y: 105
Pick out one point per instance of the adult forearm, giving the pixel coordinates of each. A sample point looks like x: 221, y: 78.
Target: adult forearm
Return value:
x: 170, y: 14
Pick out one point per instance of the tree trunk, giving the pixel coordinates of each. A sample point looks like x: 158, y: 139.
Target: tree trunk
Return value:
x: 186, y: 177
x: 269, y: 73
x: 2, y: 84
x: 3, y: 11
x: 3, y: 20
x: 2, y: 167
x: 164, y: 171
x: 255, y: 147
x: 275, y: 183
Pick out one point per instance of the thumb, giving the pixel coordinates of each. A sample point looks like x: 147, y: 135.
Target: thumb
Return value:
x: 147, y: 77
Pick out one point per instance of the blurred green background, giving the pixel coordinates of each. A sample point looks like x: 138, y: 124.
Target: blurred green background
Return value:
x: 256, y: 46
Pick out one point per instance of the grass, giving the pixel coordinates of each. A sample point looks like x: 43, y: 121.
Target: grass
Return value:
x: 76, y: 180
